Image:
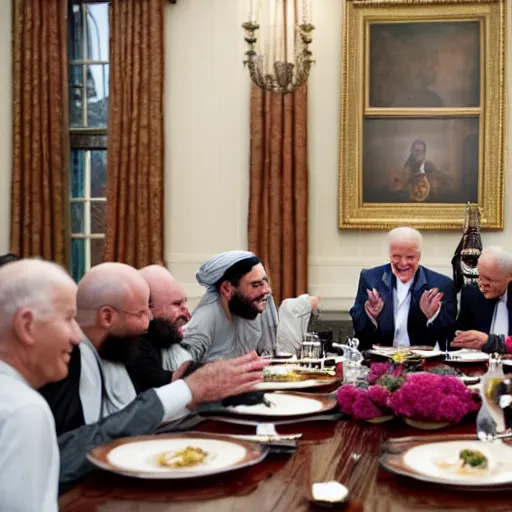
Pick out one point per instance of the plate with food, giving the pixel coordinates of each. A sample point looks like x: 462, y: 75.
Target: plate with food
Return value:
x: 176, y: 456
x: 286, y: 404
x: 293, y: 376
x: 467, y: 355
x: 401, y: 354
x: 473, y: 465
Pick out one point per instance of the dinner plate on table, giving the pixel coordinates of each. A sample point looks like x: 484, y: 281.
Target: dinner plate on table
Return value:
x: 424, y: 352
x: 139, y: 456
x: 437, y: 463
x: 293, y: 377
x: 286, y: 404
x: 467, y: 355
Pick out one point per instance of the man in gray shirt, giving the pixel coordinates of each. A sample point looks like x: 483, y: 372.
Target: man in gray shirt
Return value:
x: 236, y: 314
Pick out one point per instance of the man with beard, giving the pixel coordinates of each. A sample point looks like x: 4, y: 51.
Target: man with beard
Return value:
x: 403, y: 303
x: 97, y: 401
x: 237, y: 313
x: 159, y: 350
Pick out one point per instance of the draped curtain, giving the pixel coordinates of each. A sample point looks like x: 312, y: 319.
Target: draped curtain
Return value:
x: 40, y: 130
x: 134, y: 218
x: 278, y: 204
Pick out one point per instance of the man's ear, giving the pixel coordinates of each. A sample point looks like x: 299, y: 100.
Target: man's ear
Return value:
x: 105, y: 316
x: 227, y: 289
x: 23, y: 325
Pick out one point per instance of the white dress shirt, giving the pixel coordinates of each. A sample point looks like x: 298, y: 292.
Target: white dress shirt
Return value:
x: 499, y: 324
x: 29, y: 456
x: 174, y: 396
x: 402, y: 304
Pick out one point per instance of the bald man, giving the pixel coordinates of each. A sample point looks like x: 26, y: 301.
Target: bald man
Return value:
x: 113, y: 311
x: 37, y: 309
x: 159, y: 350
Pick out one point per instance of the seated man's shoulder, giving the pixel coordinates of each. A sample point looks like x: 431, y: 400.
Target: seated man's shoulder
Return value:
x: 436, y: 277
x: 471, y: 292
x: 27, y: 400
x: 372, y: 272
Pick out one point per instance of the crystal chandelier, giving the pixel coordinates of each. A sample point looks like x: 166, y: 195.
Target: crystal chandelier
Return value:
x: 279, y: 59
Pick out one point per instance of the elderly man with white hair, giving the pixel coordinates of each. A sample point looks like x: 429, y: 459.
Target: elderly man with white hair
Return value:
x: 485, y: 317
x: 37, y: 311
x: 403, y: 303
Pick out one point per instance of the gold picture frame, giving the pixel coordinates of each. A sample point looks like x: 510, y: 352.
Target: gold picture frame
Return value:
x: 422, y: 113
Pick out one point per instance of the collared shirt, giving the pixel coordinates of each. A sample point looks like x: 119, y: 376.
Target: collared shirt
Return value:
x: 499, y: 324
x: 402, y: 304
x: 93, y: 385
x: 29, y: 456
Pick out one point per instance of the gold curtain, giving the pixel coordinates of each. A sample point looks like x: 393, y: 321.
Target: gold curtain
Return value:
x: 278, y: 204
x: 40, y: 130
x: 134, y: 218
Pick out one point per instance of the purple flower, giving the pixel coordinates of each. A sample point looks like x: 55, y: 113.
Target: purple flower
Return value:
x: 430, y: 397
x: 364, y: 409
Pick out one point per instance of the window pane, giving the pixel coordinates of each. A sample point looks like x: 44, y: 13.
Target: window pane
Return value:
x: 77, y: 173
x: 77, y: 258
x: 99, y: 173
x: 98, y: 217
x: 97, y: 246
x: 97, y: 95
x: 75, y: 31
x: 76, y: 93
x: 77, y: 218
x: 98, y: 31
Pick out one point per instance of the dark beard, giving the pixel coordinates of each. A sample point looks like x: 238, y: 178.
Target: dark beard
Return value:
x: 241, y: 306
x: 163, y: 333
x: 120, y: 349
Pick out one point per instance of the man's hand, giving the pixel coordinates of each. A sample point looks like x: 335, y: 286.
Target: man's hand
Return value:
x: 470, y: 339
x: 220, y: 379
x: 314, y: 303
x: 373, y: 306
x: 178, y: 374
x: 430, y: 302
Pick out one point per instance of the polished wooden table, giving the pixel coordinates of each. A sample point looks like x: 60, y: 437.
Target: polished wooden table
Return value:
x: 280, y: 482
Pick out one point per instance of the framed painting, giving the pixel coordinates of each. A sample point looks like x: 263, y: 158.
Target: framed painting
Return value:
x: 422, y: 113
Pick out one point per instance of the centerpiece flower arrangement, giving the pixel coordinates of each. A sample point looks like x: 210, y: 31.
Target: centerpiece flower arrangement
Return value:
x: 436, y: 395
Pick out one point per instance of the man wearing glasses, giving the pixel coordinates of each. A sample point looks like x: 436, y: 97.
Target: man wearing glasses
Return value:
x: 486, y: 308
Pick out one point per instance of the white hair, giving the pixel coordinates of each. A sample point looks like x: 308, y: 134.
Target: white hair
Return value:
x: 28, y: 283
x: 405, y: 234
x: 502, y: 258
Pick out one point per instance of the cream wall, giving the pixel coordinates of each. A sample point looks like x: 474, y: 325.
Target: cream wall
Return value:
x: 5, y: 124
x: 207, y: 152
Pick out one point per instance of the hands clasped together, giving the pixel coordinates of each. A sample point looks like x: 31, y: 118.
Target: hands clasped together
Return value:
x: 430, y: 302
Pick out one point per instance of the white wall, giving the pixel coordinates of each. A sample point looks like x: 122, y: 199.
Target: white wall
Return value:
x: 207, y: 152
x: 206, y: 135
x: 5, y: 124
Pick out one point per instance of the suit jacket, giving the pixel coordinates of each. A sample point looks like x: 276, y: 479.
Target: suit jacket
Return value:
x: 382, y: 279
x: 476, y: 311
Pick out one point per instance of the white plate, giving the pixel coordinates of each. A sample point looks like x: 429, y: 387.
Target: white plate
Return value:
x: 424, y: 461
x: 425, y: 354
x: 138, y: 456
x: 286, y: 404
x: 467, y: 379
x: 303, y: 384
x: 468, y: 356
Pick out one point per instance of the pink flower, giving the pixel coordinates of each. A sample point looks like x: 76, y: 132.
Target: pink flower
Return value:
x: 377, y: 370
x: 364, y: 409
x: 379, y: 395
x: 430, y: 397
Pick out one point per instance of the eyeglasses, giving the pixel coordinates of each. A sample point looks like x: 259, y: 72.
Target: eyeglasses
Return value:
x: 147, y: 313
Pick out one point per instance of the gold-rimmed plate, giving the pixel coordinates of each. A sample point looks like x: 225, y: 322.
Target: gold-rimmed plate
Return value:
x: 435, y: 462
x: 138, y: 456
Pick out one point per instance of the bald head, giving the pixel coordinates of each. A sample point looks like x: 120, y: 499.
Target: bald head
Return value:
x: 111, y: 284
x: 168, y: 303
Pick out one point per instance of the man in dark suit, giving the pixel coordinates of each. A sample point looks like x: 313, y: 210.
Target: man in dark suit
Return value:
x: 486, y: 308
x: 403, y: 303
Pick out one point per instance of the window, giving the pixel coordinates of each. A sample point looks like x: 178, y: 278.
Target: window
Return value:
x: 88, y: 58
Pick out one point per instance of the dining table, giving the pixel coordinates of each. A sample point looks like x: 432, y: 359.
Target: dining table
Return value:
x: 346, y: 451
